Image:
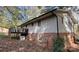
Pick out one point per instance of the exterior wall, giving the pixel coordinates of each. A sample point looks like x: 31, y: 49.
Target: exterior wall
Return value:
x: 44, y: 26
x: 68, y: 23
x: 48, y: 25
x: 46, y: 32
x: 61, y: 25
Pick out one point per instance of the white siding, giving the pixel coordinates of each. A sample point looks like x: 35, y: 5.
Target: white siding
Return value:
x: 48, y: 25
x: 61, y: 25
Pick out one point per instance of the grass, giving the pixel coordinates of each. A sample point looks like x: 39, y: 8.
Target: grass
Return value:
x: 2, y: 35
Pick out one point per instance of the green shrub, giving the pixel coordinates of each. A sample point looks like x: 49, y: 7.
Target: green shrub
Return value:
x: 58, y: 45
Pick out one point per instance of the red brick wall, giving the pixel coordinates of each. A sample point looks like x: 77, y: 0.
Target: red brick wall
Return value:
x: 34, y: 45
x: 47, y: 39
x: 71, y: 44
x: 29, y: 45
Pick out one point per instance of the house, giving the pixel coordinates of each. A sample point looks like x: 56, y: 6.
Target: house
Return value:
x: 46, y: 27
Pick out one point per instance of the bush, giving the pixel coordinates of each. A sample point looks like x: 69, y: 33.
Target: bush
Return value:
x: 59, y: 45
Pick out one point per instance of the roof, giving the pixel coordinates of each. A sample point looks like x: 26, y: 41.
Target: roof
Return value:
x: 39, y: 18
x: 45, y: 15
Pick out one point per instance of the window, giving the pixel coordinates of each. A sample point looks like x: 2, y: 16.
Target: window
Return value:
x: 39, y: 23
x: 62, y: 19
x: 32, y: 24
x: 26, y: 25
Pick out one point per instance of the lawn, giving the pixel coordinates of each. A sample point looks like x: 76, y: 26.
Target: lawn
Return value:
x: 2, y: 35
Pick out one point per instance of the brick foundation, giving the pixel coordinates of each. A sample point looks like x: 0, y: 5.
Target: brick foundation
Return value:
x: 71, y: 45
x: 45, y: 40
x: 32, y: 44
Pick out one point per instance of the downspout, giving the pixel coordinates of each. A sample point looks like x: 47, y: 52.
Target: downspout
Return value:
x: 57, y: 25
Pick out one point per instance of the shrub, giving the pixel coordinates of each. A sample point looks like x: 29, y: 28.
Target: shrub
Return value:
x: 58, y: 45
